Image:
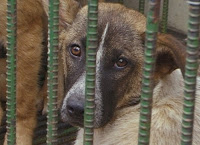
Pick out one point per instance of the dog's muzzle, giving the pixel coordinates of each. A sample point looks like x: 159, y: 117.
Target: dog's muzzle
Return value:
x: 73, y: 105
x: 73, y: 113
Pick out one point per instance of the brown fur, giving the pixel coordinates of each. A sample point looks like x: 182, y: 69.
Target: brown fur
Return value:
x: 122, y: 127
x: 31, y: 24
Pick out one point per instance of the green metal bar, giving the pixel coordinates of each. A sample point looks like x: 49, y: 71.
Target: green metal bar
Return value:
x: 191, y: 72
x: 146, y: 95
x: 164, y: 16
x: 92, y: 44
x: 52, y: 117
x: 141, y: 6
x: 11, y: 71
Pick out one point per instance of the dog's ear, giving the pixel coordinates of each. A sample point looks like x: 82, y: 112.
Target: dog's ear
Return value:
x: 67, y: 11
x: 170, y: 55
x: 45, y: 4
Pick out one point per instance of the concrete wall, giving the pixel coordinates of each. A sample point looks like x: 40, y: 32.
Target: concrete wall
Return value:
x: 178, y: 12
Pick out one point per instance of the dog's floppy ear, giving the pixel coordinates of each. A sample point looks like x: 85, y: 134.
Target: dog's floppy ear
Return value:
x: 170, y: 55
x: 45, y: 4
x: 67, y: 11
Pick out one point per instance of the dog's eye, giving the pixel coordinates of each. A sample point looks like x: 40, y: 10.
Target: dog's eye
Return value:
x: 75, y: 50
x: 121, y: 63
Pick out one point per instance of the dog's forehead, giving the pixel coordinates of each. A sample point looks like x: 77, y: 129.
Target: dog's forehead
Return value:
x: 121, y: 33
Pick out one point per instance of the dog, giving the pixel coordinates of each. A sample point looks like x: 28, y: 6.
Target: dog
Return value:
x: 120, y: 58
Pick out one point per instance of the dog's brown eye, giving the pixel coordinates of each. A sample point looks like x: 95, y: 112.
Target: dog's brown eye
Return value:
x: 76, y: 50
x: 121, y: 62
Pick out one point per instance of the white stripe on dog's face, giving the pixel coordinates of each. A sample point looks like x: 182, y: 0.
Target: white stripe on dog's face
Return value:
x: 78, y: 88
x: 98, y: 95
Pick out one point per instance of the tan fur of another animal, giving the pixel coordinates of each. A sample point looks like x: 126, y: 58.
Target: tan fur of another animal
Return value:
x: 30, y: 35
x: 167, y: 103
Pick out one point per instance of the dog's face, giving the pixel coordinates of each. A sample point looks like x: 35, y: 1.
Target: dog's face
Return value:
x: 119, y: 63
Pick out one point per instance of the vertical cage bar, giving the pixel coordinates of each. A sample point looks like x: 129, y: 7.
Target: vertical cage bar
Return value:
x: 11, y: 68
x: 164, y: 16
x: 92, y: 44
x: 191, y: 72
x: 146, y: 95
x: 53, y: 26
x: 141, y: 6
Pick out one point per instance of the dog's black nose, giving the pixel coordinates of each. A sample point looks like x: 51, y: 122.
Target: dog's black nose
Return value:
x: 75, y: 109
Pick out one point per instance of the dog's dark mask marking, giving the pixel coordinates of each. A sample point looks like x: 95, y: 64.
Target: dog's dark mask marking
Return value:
x: 119, y: 68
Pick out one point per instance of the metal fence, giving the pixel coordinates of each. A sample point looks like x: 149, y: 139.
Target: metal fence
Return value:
x: 92, y: 44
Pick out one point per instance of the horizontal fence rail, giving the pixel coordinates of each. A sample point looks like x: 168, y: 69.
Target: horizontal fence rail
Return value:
x: 11, y: 71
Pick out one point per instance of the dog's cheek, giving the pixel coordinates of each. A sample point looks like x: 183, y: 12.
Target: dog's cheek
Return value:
x: 74, y: 69
x: 114, y: 87
x: 109, y: 93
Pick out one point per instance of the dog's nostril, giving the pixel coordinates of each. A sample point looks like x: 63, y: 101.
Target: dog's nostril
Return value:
x: 70, y: 110
x: 75, y: 109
